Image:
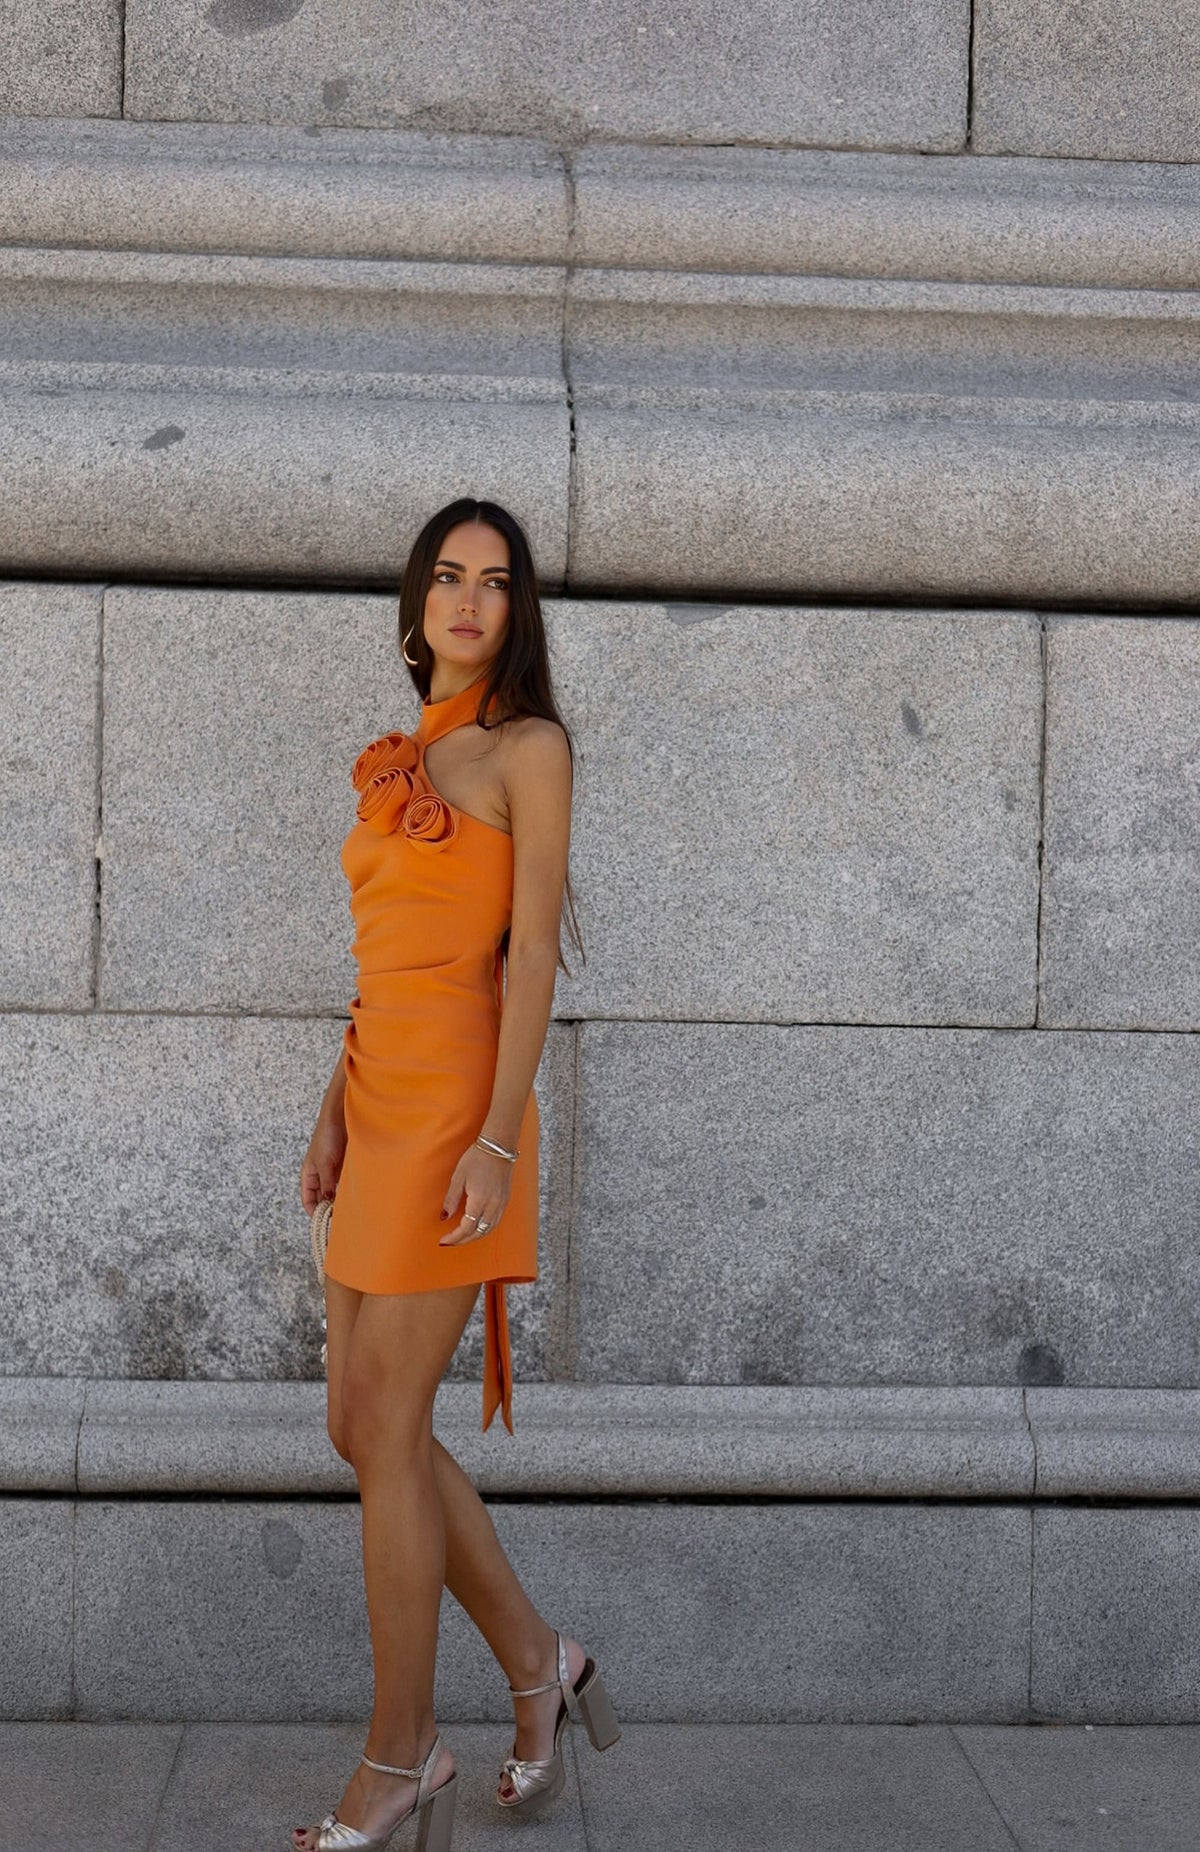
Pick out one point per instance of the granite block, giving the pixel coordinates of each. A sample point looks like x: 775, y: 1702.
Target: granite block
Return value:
x: 81, y: 1784
x: 788, y: 814
x: 834, y: 214
x: 910, y: 494
x: 1117, y: 81
x: 1125, y: 1788
x: 40, y: 1419
x: 845, y: 1612
x: 282, y: 191
x: 1114, y: 1615
x: 826, y: 1204
x: 61, y: 58
x: 1121, y: 872
x: 151, y: 1210
x: 50, y: 637
x: 37, y: 1612
x: 576, y: 1439
x: 850, y: 73
x: 229, y: 1437
x: 223, y: 473
x: 1116, y: 1443
x: 812, y: 1788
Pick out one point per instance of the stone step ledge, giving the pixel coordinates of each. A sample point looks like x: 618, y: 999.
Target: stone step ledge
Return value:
x: 96, y: 1436
x: 239, y: 187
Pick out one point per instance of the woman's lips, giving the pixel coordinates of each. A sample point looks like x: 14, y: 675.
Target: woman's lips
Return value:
x: 464, y: 630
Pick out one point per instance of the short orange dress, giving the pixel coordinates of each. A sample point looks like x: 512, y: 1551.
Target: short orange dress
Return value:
x: 431, y: 899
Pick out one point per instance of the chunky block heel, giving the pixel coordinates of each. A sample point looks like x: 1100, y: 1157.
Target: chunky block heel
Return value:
x: 599, y: 1717
x: 587, y: 1702
x: 437, y: 1818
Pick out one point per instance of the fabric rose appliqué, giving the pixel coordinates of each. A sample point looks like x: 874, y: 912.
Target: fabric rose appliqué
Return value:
x: 385, y: 778
x: 389, y: 749
x: 429, y: 820
x: 384, y: 803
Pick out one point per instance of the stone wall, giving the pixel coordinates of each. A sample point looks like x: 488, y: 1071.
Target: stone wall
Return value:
x: 872, y: 1073
x: 840, y: 360
x: 997, y: 76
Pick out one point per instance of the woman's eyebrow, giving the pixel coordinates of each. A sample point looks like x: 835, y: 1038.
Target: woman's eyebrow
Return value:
x: 459, y: 567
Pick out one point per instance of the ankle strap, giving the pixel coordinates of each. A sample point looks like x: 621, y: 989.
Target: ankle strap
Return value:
x: 421, y: 1772
x: 563, y: 1683
x: 532, y: 1690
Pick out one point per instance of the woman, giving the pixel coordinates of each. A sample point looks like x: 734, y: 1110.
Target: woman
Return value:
x: 427, y: 1142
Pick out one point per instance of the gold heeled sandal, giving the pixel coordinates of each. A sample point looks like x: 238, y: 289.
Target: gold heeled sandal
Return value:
x: 586, y: 1702
x: 435, y: 1806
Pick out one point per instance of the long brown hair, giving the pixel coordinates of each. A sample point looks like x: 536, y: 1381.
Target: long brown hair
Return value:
x: 518, y: 681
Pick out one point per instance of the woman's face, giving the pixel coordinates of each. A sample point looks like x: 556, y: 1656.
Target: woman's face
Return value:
x: 466, y: 606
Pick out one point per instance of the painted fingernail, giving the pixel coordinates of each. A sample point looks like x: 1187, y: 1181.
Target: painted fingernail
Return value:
x: 441, y: 1215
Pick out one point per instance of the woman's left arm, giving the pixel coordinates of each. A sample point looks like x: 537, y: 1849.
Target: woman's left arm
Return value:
x: 538, y: 780
x: 538, y: 788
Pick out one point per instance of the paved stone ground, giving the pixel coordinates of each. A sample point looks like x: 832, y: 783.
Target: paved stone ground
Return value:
x: 228, y: 1787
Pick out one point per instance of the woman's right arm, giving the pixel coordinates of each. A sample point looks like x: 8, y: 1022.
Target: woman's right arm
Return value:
x: 322, y: 1164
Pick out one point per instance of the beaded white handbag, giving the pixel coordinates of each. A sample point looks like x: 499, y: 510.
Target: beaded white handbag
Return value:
x: 318, y: 1226
x: 318, y: 1230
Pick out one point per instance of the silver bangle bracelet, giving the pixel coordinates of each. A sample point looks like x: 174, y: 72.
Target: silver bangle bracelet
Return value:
x: 490, y: 1145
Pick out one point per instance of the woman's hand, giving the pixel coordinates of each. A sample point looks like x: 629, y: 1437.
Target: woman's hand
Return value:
x: 323, y: 1161
x: 487, y: 1180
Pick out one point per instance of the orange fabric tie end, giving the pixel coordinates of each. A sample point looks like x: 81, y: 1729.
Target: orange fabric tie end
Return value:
x: 497, y: 1359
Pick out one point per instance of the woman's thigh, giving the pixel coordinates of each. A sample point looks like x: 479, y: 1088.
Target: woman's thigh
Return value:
x: 396, y: 1353
x: 341, y: 1310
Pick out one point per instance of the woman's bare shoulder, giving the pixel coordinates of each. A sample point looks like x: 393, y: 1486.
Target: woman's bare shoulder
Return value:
x: 535, y: 749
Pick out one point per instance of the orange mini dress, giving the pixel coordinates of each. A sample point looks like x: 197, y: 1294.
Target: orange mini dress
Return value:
x: 431, y: 899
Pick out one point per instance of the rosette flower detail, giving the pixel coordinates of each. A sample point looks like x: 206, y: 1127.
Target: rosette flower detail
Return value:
x: 389, y: 749
x: 386, y: 797
x: 429, y: 820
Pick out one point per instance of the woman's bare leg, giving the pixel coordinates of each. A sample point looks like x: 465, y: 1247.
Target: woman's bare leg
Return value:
x: 478, y: 1572
x: 389, y: 1369
x: 480, y: 1576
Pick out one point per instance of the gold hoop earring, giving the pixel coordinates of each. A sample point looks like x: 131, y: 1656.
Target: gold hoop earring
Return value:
x: 410, y: 660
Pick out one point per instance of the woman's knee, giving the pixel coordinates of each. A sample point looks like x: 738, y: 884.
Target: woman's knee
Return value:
x: 381, y: 1417
x: 335, y: 1427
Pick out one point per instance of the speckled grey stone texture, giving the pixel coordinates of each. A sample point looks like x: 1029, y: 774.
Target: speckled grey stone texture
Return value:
x: 850, y: 73
x: 150, y: 1208
x: 611, y: 1438
x: 834, y: 214
x: 190, y: 1609
x: 912, y: 495
x: 37, y: 1606
x: 837, y: 1205
x: 194, y: 186
x: 50, y: 641
x: 190, y: 469
x: 822, y: 371
x: 1114, y: 1615
x: 100, y: 1784
x: 61, y: 58
x: 789, y: 814
x: 1121, y: 879
x: 40, y: 1418
x: 820, y: 1788
x: 1114, y: 80
x: 1078, y: 1789
x: 1116, y: 1443
x: 232, y: 721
